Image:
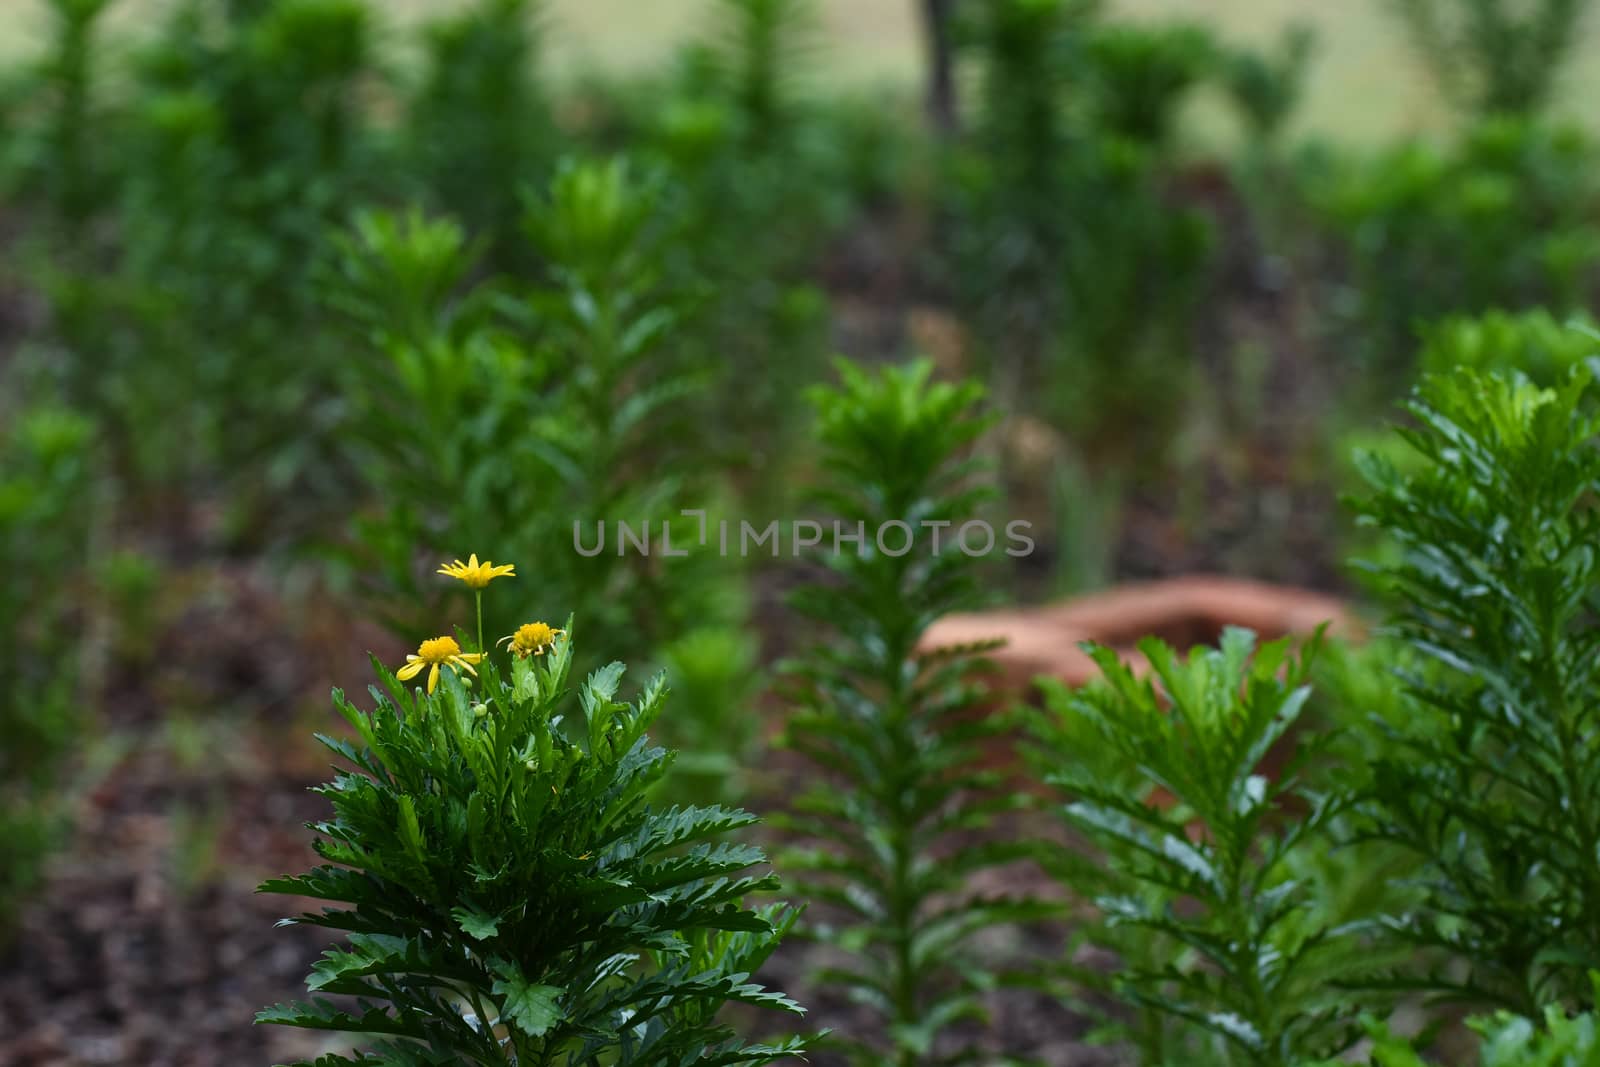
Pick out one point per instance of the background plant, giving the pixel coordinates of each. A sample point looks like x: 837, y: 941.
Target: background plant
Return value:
x: 1080, y: 316
x: 509, y: 896
x: 238, y: 138
x: 898, y: 731
x: 577, y: 386
x: 1494, y: 56
x: 479, y: 124
x: 1505, y: 220
x: 1231, y: 957
x: 47, y: 485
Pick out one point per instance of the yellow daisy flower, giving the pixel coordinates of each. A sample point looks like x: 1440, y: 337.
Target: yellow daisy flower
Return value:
x: 477, y: 575
x: 531, y: 639
x: 434, y: 653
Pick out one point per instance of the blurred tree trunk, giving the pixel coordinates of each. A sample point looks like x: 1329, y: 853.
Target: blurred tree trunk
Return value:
x: 941, y: 90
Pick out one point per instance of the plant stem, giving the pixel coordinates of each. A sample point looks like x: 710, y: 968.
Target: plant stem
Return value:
x: 477, y: 594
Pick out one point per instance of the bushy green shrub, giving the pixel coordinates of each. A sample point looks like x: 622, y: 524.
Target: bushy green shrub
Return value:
x: 54, y: 151
x: 1266, y: 87
x: 1227, y: 953
x: 1084, y: 313
x: 1490, y: 778
x: 577, y: 388
x: 46, y: 495
x: 897, y: 824
x: 1494, y: 56
x: 508, y: 895
x: 752, y: 150
x: 241, y: 136
x: 1536, y: 343
x: 480, y: 129
x: 1504, y: 220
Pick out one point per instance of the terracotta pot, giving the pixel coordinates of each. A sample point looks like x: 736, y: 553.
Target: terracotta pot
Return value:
x: 1043, y: 641
x: 1181, y: 611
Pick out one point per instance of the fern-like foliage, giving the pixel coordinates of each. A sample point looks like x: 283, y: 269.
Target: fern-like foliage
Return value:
x: 508, y: 896
x: 1493, y: 779
x: 1164, y: 775
x: 895, y: 730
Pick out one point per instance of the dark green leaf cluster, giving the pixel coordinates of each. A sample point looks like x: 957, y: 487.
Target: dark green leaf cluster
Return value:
x: 897, y: 731
x: 1085, y: 314
x: 479, y: 126
x: 1494, y: 56
x: 47, y: 495
x: 1266, y: 87
x: 1200, y: 850
x: 174, y: 217
x: 508, y: 895
x: 1499, y: 219
x: 1491, y: 779
x: 1536, y: 343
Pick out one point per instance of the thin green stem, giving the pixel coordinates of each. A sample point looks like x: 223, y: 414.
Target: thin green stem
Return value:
x: 477, y: 594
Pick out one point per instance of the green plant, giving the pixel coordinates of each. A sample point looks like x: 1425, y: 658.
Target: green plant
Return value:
x: 63, y: 160
x: 1490, y: 779
x: 507, y: 894
x: 240, y: 139
x: 1536, y: 343
x: 579, y: 389
x: 1494, y: 56
x: 716, y: 673
x: 1267, y: 87
x: 1083, y: 315
x: 1140, y: 74
x: 761, y: 47
x: 750, y: 150
x: 897, y: 729
x: 1503, y: 220
x: 479, y: 126
x: 1167, y: 780
x: 46, y: 486
x: 1555, y: 1039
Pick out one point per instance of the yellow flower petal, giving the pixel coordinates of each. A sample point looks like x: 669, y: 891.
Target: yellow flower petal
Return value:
x: 433, y: 677
x: 410, y: 670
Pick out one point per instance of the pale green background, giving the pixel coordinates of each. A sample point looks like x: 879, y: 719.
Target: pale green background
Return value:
x: 1365, y: 83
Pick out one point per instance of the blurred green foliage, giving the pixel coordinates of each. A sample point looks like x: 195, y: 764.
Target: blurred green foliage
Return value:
x: 1494, y: 56
x: 1078, y: 270
x: 538, y: 420
x: 1554, y: 1039
x: 1502, y: 220
x: 47, y: 483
